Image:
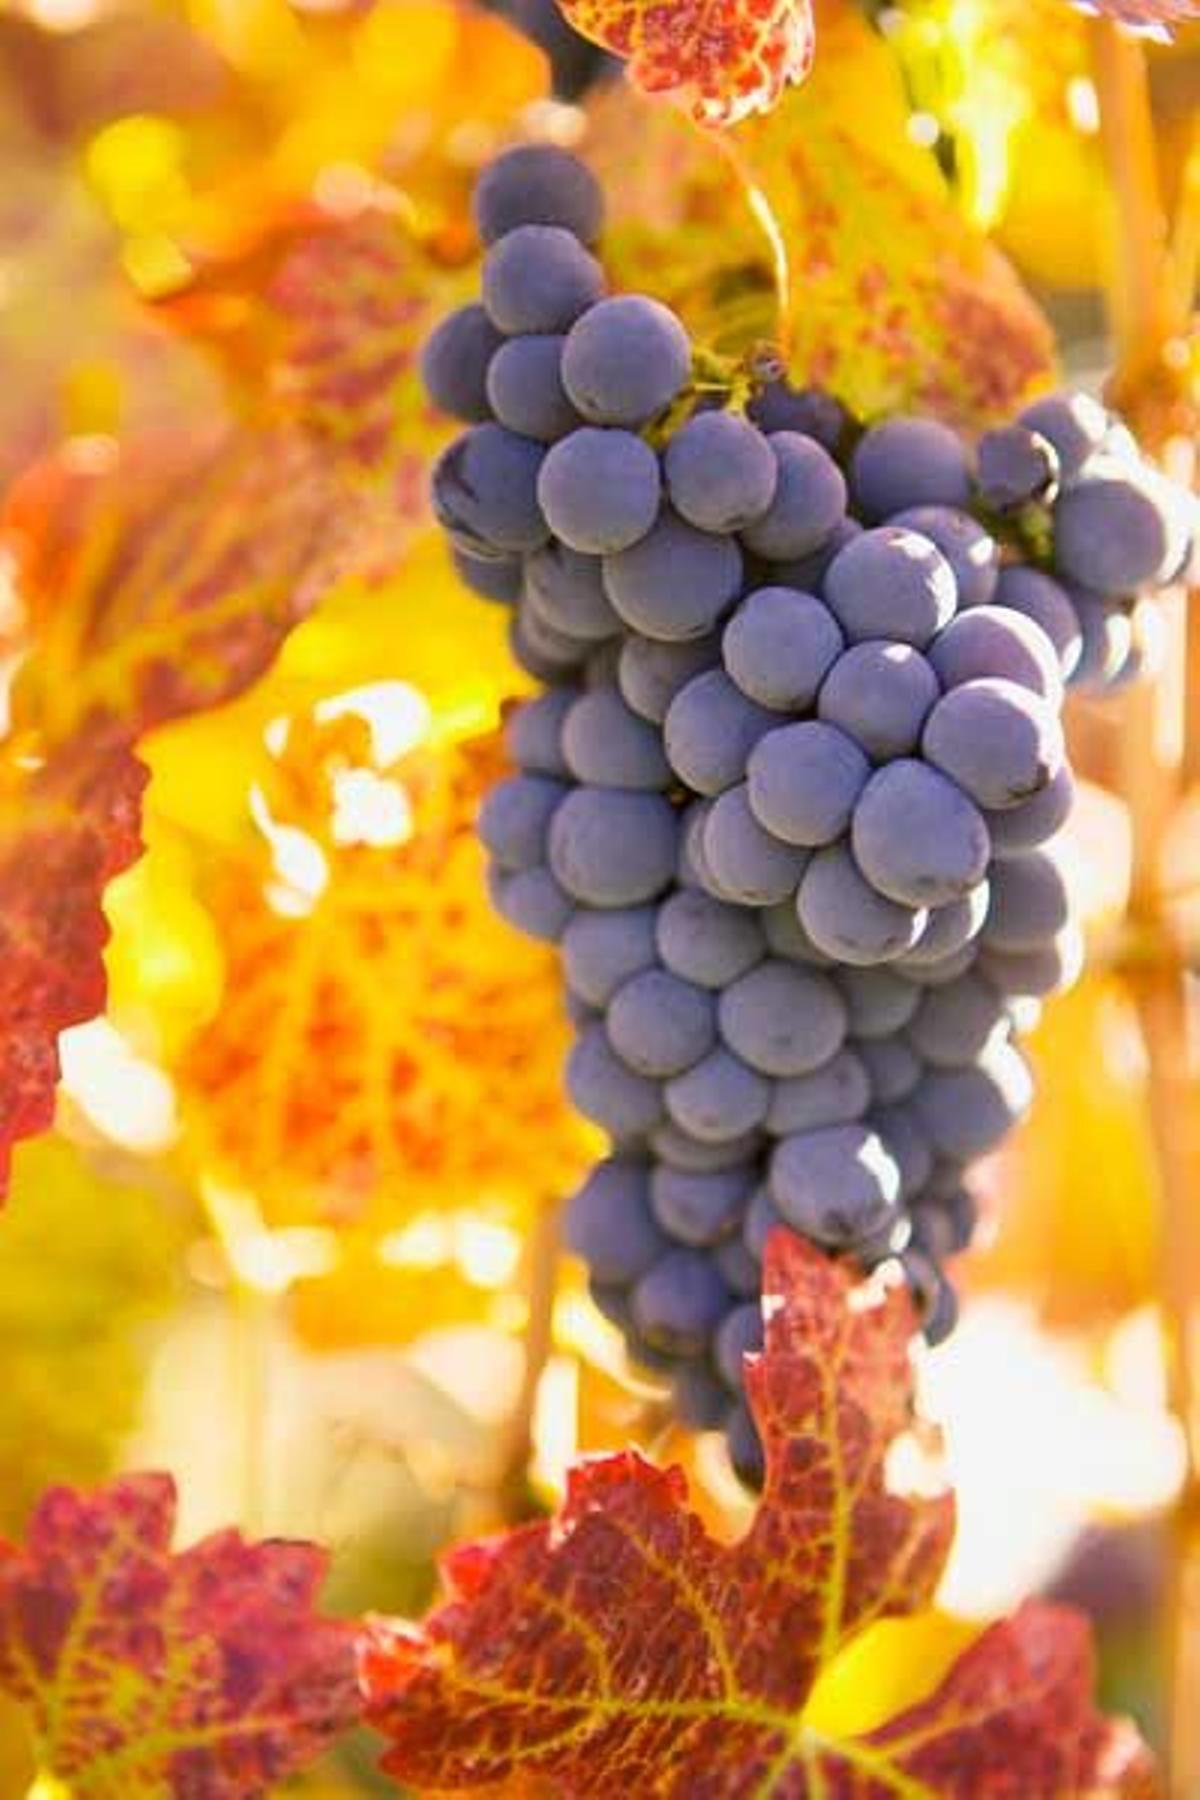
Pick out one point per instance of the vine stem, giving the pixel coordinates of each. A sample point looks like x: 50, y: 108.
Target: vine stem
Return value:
x: 541, y: 1286
x: 764, y: 217
x: 1147, y: 308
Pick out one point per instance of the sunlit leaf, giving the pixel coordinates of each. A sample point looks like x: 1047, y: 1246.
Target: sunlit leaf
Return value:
x: 724, y: 58
x: 85, y: 1261
x: 620, y: 1647
x: 146, y: 1672
x: 892, y: 301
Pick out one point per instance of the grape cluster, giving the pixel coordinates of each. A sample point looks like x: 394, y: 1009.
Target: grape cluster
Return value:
x: 788, y: 800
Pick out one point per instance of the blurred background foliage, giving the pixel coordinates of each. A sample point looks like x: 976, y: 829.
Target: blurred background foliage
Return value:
x: 283, y: 1237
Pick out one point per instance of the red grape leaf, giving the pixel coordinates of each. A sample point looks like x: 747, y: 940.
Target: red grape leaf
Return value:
x: 619, y: 1647
x: 143, y: 1672
x: 1156, y: 15
x: 65, y: 829
x: 726, y: 58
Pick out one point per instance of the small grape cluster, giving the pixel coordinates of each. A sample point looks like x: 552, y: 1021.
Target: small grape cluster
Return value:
x: 788, y: 798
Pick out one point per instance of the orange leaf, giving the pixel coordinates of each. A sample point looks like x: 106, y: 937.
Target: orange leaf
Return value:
x: 146, y: 1673
x: 725, y: 58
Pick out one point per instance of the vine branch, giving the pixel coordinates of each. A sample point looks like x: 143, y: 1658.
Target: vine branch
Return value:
x: 541, y: 1285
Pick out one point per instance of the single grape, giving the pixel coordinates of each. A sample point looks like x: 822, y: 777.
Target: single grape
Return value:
x: 485, y: 491
x: 849, y: 918
x: 706, y: 941
x: 542, y: 652
x: 537, y: 184
x: 1075, y: 424
x: 625, y: 360
x: 891, y: 583
x: 762, y: 1217
x: 748, y: 863
x: 609, y: 1222
x: 721, y: 1098
x: 675, y: 582
x: 948, y: 929
x: 811, y: 411
x: 779, y: 645
x: 720, y: 472
x: 972, y: 552
x: 835, y: 1185
x: 532, y: 901
x: 808, y: 502
x: 533, y: 732
x: 651, y: 673
x: 916, y: 836
x: 781, y: 1019
x: 804, y: 780
x: 661, y: 1025
x: 683, y: 1151
x: 599, y: 490
x: 907, y: 1144
x: 807, y: 573
x: 514, y: 820
x: 700, y: 1209
x: 745, y: 1445
x: 692, y: 870
x: 601, y: 950
x: 838, y: 1093
x: 739, y: 1334
x: 1016, y: 465
x: 607, y: 1091
x: 1030, y: 903
x: 945, y: 1227
x: 909, y: 462
x: 878, y: 1001
x: 1117, y: 529
x: 998, y: 741
x: 879, y: 694
x: 525, y: 390
x: 1025, y: 590
x: 497, y: 578
x: 699, y: 1399
x: 1000, y: 641
x: 967, y: 1111
x: 679, y: 1302
x: 893, y: 1068
x: 454, y: 363
x: 608, y: 745
x: 956, y: 1024
x: 1035, y: 974
x: 1034, y: 821
x: 565, y: 589
x: 538, y: 278
x: 613, y: 848
x: 710, y: 730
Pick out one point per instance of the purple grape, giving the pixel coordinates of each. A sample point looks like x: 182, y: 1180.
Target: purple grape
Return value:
x: 1016, y: 465
x: 610, y: 1225
x: 514, y: 820
x: 893, y: 1068
x: 966, y: 1112
x: 738, y: 1269
x: 850, y: 919
x: 838, y: 1093
x: 891, y: 583
x: 739, y: 1334
x: 811, y: 411
x: 916, y: 836
x: 682, y: 1151
x: 613, y: 848
x: 972, y: 552
x: 537, y: 184
x: 485, y: 491
x: 878, y: 1001
x: 699, y: 1399
x: 804, y: 781
x: 998, y: 741
x: 602, y: 950
x: 497, y: 578
x: 532, y: 901
x: 936, y: 1299
x: 835, y: 1185
x: 454, y: 363
x: 721, y: 1098
x: 524, y: 387
x: 1025, y: 590
x: 906, y: 1144
x: 700, y: 1209
x: 1030, y: 902
x: 948, y: 929
x: 607, y: 1091
x: 710, y: 730
x: 762, y: 1217
x: 782, y: 1020
x: 651, y: 673
x: 539, y: 278
x: 786, y: 937
x: 745, y: 1445
x: 909, y: 462
x: 1035, y: 974
x: 565, y: 589
x: 599, y: 490
x: 660, y: 1025
x: 720, y: 472
x: 706, y: 941
x: 879, y: 694
x: 997, y: 640
x: 956, y: 1024
x: 779, y: 645
x: 674, y: 583
x: 1075, y: 424
x: 625, y: 360
x: 1105, y: 640
x: 609, y: 746
x: 678, y: 1302
x: 533, y: 732
x: 1117, y: 529
x: 747, y: 863
x: 1024, y: 827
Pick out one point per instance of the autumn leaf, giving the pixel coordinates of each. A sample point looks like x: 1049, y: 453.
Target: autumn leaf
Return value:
x: 145, y: 1672
x: 724, y: 58
x: 87, y: 1259
x: 619, y: 1647
x: 889, y: 298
